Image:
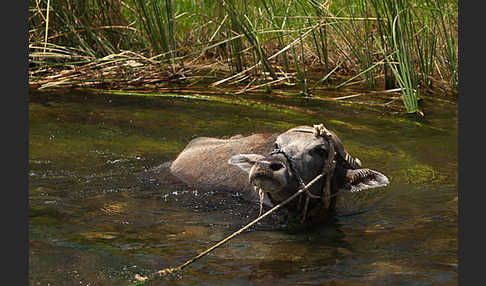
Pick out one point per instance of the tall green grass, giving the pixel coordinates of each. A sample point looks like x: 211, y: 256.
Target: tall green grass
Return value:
x: 397, y: 37
x: 384, y: 44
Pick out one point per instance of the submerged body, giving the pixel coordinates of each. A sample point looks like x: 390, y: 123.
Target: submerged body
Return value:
x: 278, y: 165
x: 202, y: 164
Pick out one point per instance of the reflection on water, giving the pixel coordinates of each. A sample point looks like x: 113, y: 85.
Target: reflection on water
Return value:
x: 93, y: 223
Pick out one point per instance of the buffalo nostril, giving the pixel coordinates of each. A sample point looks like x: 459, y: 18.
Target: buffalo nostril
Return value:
x: 276, y: 166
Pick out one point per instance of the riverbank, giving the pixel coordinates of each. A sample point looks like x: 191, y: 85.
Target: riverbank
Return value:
x: 404, y: 48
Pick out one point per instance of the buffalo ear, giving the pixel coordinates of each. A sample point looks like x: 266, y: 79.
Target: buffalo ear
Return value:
x: 362, y: 179
x: 245, y: 161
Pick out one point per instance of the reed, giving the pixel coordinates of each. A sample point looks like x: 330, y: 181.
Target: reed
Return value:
x: 353, y: 32
x: 403, y: 70
x: 445, y: 19
x: 158, y: 26
x: 405, y: 44
x: 396, y: 36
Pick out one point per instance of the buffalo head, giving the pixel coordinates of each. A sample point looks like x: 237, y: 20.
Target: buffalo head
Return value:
x: 300, y: 154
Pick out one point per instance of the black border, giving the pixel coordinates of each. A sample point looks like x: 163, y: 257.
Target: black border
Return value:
x: 15, y: 118
x: 470, y: 133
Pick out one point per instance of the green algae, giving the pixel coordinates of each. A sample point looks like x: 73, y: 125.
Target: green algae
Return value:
x: 401, y: 166
x: 352, y: 127
x: 210, y: 98
x: 68, y: 138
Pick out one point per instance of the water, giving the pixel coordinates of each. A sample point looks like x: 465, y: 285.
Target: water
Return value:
x: 93, y: 223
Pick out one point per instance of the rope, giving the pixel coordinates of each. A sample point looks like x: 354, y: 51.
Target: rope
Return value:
x: 182, y: 266
x: 321, y: 131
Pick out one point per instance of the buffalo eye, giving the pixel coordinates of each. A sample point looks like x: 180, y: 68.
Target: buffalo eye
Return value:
x: 276, y: 166
x: 319, y: 151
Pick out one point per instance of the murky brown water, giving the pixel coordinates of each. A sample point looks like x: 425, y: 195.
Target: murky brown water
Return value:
x: 93, y: 223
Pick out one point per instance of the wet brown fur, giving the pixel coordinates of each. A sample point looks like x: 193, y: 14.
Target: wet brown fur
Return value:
x: 203, y: 163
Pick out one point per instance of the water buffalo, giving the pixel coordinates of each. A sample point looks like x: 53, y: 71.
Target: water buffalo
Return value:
x: 278, y: 165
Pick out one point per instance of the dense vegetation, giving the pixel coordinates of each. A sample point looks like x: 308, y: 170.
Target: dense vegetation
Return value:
x: 404, y: 45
